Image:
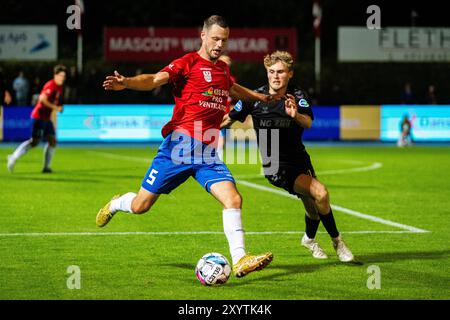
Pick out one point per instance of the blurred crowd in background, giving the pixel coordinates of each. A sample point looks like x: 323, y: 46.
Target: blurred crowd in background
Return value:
x: 340, y: 83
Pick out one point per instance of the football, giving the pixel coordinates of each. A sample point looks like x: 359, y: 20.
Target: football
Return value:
x: 213, y: 269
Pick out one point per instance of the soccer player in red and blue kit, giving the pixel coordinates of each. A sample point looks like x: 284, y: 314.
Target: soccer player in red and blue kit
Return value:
x: 201, y: 86
x: 49, y: 101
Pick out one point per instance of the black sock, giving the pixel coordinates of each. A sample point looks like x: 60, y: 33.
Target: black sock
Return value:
x: 329, y: 224
x: 311, y: 226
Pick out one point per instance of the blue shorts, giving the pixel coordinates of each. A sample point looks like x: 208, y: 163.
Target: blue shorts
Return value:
x: 178, y: 158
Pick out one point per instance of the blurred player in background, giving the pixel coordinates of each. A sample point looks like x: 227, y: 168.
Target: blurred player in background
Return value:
x: 43, y: 128
x: 230, y: 103
x: 295, y: 171
x: 405, y: 133
x: 201, y: 86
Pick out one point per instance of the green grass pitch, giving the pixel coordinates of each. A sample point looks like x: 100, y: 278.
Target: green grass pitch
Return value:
x: 47, y: 223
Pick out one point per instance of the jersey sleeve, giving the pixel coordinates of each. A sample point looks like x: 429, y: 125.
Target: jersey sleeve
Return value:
x: 303, y: 103
x: 48, y: 90
x: 177, y: 70
x: 240, y: 111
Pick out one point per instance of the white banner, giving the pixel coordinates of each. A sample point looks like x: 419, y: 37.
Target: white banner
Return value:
x: 403, y: 44
x: 28, y: 42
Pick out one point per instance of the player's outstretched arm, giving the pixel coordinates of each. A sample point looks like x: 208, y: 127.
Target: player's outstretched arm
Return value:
x: 239, y: 92
x: 142, y: 82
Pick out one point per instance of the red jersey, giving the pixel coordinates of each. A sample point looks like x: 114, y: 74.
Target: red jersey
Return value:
x: 53, y: 93
x: 201, y: 90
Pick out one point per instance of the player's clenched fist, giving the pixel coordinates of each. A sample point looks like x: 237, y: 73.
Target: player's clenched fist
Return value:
x: 115, y: 82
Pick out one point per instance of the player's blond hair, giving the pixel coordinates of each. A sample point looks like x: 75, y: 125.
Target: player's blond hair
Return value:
x: 276, y: 56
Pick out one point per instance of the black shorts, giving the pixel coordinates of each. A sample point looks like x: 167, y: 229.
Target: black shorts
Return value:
x: 42, y: 128
x: 288, y: 173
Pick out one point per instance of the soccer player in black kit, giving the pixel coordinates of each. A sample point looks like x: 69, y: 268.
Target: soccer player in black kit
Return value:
x: 294, y: 172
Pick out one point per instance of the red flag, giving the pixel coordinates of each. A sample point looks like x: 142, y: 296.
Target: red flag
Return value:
x: 317, y: 14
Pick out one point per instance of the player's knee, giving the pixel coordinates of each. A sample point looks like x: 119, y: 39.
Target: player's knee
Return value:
x: 321, y: 194
x: 233, y: 201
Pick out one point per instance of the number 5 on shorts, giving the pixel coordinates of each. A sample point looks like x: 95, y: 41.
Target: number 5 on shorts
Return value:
x: 152, y: 177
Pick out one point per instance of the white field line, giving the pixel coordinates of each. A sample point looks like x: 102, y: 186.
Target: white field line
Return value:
x: 138, y: 233
x: 374, y: 166
x: 338, y: 208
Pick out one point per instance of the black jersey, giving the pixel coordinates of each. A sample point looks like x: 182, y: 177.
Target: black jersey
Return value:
x: 272, y: 116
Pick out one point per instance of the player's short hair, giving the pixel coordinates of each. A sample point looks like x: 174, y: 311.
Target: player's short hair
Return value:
x: 59, y: 68
x: 276, y: 56
x: 215, y: 19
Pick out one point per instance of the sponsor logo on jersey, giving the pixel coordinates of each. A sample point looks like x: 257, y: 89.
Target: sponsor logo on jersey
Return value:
x: 303, y: 103
x: 207, y: 75
x: 209, y: 93
x: 238, y: 106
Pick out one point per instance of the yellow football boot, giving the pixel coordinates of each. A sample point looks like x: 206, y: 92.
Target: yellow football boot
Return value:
x: 104, y: 215
x: 250, y: 263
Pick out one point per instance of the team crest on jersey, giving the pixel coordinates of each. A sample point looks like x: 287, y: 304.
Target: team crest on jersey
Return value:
x: 303, y: 103
x: 238, y: 106
x: 207, y: 75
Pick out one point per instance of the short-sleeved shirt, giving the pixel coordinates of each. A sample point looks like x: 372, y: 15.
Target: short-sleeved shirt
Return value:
x: 53, y: 92
x: 272, y: 115
x: 200, y: 89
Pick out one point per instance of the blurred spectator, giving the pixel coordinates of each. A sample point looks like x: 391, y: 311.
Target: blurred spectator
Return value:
x: 407, y: 96
x: 71, y: 89
x: 22, y: 88
x: 35, y: 90
x: 405, y: 138
x: 5, y: 95
x: 431, y: 95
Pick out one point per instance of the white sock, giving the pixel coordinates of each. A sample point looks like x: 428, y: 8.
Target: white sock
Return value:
x: 232, y: 225
x: 22, y: 149
x: 123, y: 203
x: 49, y: 151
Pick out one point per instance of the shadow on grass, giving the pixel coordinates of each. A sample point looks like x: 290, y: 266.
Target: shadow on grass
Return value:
x: 54, y: 179
x: 282, y: 271
x: 79, y: 175
x: 286, y: 270
x: 408, y: 255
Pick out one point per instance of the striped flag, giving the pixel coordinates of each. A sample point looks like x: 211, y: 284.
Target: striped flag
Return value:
x: 317, y: 14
